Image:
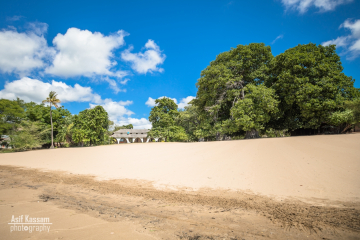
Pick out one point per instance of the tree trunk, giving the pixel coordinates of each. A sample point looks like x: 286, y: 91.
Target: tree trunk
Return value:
x: 242, y: 95
x: 218, y: 136
x: 52, y: 130
x: 346, y: 128
x: 252, y: 134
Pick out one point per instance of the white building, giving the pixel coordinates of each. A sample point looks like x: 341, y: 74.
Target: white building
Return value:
x: 132, y: 135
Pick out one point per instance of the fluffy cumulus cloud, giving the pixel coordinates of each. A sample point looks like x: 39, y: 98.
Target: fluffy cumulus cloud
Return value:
x: 350, y: 43
x: 35, y: 90
x: 77, y: 53
x: 83, y: 53
x: 183, y: 102
x: 116, y: 110
x: 147, y: 61
x: 23, y: 52
x: 303, y: 5
x: 151, y: 101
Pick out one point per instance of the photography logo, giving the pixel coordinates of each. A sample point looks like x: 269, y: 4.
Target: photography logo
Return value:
x: 25, y: 223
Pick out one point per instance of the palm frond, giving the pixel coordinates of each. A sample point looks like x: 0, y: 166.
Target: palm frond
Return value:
x: 52, y: 99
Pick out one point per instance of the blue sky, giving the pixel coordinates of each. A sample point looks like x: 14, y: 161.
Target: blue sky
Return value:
x: 125, y: 54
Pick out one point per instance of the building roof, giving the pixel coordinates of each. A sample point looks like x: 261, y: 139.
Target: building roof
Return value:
x: 4, y: 138
x: 130, y: 133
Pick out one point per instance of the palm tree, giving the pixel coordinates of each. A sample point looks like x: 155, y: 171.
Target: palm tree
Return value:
x: 54, y: 101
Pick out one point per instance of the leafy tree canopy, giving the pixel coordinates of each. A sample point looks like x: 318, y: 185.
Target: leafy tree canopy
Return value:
x: 163, y: 118
x: 39, y: 112
x: 164, y: 113
x: 190, y: 120
x: 349, y: 116
x: 11, y: 114
x: 222, y: 83
x: 129, y: 126
x: 254, y: 111
x: 91, y: 126
x: 28, y: 136
x: 310, y: 84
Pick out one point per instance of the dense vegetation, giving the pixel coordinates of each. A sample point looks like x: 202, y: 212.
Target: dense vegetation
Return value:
x: 29, y: 125
x: 243, y: 93
x: 247, y: 93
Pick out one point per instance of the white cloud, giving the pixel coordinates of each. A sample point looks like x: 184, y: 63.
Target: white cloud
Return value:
x: 75, y: 53
x: 38, y: 28
x: 303, y: 5
x: 351, y: 43
x: 185, y: 101
x: 120, y: 115
x: 35, y: 90
x: 353, y: 26
x: 83, y: 53
x: 151, y: 101
x: 355, y: 47
x: 23, y: 52
x: 277, y: 38
x: 124, y: 81
x: 113, y: 84
x: 147, y: 61
x: 339, y: 42
x: 138, y: 123
x: 116, y: 110
x: 14, y: 18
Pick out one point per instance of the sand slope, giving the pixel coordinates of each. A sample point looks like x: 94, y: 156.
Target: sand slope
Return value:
x: 322, y: 167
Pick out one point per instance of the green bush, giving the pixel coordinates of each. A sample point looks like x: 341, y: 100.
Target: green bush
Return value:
x: 6, y: 150
x: 238, y: 137
x: 271, y: 133
x: 28, y: 136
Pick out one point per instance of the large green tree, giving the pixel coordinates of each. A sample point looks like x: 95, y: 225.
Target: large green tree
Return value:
x: 91, y: 126
x: 163, y: 118
x: 65, y: 130
x: 40, y: 113
x: 253, y: 112
x: 27, y: 136
x: 190, y: 120
x: 11, y: 114
x: 222, y: 84
x: 310, y: 84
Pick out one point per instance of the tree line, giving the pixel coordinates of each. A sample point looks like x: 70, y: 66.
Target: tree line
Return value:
x: 247, y: 93
x: 31, y: 125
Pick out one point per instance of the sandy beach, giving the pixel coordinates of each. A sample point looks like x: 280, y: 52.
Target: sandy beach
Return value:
x: 324, y: 167
x: 252, y: 185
